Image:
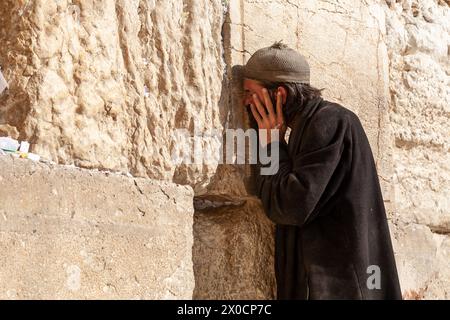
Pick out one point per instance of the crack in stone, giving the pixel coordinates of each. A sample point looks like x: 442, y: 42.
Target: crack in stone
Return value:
x: 162, y: 190
x: 137, y: 187
x: 439, y: 230
x: 143, y: 213
x: 206, y: 202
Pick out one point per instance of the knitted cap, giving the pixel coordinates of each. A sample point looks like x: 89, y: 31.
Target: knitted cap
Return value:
x: 277, y: 63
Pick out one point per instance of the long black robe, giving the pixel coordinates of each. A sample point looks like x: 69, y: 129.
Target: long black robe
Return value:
x: 326, y: 201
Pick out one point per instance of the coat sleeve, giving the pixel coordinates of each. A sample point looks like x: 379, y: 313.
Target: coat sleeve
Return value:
x: 290, y: 194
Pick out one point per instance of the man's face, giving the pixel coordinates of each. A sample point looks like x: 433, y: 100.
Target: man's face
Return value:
x: 251, y: 87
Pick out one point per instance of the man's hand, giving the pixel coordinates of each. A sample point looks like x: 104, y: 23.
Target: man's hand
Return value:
x: 269, y: 119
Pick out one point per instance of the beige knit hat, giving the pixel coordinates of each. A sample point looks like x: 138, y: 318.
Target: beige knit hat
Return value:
x: 277, y: 63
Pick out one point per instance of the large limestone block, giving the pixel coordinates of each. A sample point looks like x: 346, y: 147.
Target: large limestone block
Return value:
x: 233, y: 251
x: 418, y: 38
x: 67, y: 233
x: 422, y: 261
x: 102, y: 84
x: 344, y: 45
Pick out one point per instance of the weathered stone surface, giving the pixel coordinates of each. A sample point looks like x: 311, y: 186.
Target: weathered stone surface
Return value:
x: 67, y: 233
x: 233, y: 252
x: 102, y: 84
x: 422, y: 260
x: 418, y: 38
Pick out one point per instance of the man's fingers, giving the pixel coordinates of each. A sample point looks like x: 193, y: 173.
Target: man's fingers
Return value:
x: 256, y: 115
x: 260, y: 107
x: 280, y: 119
x: 268, y: 103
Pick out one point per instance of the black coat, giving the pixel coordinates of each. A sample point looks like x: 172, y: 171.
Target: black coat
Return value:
x: 326, y: 201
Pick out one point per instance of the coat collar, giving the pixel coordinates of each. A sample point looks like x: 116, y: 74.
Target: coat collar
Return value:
x: 300, y: 120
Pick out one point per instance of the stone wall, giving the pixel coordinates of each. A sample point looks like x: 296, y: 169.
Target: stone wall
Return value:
x: 349, y: 60
x: 418, y: 39
x: 103, y: 85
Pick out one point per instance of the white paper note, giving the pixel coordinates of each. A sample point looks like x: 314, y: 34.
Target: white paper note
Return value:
x: 3, y: 83
x: 24, y: 147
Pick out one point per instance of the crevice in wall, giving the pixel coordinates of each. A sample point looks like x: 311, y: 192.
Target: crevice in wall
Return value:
x: 232, y: 250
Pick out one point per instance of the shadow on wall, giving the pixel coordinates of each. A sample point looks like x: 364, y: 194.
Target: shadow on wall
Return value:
x: 233, y: 245
x: 233, y: 251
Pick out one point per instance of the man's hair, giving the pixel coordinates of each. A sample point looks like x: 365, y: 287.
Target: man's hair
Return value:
x: 298, y: 94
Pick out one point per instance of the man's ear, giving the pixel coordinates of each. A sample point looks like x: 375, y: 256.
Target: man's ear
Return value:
x: 283, y: 93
